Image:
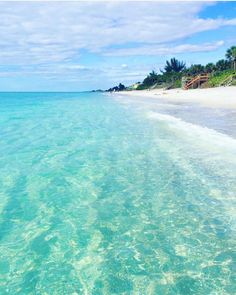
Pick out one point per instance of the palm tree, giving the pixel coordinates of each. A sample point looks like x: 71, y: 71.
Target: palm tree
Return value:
x: 210, y: 67
x: 151, y: 79
x: 174, y: 66
x: 231, y: 56
x: 222, y: 65
x: 195, y: 69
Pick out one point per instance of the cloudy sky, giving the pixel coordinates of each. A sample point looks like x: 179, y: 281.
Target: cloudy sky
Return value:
x: 73, y: 46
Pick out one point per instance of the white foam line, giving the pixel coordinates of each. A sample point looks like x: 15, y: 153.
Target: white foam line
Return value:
x: 198, y: 132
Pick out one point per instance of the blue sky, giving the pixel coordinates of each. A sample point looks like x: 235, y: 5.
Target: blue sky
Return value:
x: 76, y: 46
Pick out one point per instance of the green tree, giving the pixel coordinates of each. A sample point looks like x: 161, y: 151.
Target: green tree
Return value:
x: 174, y: 66
x: 121, y: 87
x: 210, y: 67
x: 195, y: 70
x: 151, y: 79
x: 231, y: 56
x: 222, y: 65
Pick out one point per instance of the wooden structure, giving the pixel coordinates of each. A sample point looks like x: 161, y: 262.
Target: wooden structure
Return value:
x: 194, y: 82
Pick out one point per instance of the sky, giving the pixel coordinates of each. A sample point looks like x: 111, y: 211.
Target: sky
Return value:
x: 77, y: 46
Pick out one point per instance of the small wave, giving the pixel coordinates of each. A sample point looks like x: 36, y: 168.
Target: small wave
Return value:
x: 199, y: 133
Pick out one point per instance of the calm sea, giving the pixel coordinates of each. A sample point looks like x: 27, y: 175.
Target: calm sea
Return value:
x: 102, y: 194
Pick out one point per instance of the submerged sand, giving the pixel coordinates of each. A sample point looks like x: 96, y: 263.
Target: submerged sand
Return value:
x: 219, y: 97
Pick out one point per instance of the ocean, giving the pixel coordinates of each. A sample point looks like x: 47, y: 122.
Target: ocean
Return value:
x: 102, y: 194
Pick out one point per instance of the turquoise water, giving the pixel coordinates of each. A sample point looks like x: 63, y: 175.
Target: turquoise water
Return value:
x: 99, y: 195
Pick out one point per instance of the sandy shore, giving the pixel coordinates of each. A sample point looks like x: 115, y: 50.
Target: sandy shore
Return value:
x: 219, y: 97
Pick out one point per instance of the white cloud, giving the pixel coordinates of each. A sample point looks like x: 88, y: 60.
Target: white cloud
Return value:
x: 159, y: 49
x: 74, y: 67
x: 48, y: 39
x: 54, y: 32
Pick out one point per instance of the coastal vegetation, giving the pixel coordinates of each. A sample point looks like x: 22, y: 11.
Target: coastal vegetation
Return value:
x: 175, y: 70
x: 223, y: 78
x: 231, y: 56
x: 120, y: 87
x: 221, y: 73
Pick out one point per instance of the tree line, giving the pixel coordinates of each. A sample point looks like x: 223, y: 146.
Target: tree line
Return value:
x: 174, y: 70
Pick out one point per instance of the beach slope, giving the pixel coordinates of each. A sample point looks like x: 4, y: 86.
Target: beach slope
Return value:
x: 219, y: 97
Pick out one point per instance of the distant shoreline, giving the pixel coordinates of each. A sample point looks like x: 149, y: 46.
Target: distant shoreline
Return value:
x: 218, y: 97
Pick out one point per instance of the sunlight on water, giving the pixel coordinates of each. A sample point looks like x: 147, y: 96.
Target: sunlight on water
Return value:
x: 100, y: 197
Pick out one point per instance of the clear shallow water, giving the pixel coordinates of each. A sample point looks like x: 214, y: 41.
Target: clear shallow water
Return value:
x: 99, y: 195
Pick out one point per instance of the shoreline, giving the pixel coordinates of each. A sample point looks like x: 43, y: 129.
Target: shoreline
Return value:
x: 218, y: 97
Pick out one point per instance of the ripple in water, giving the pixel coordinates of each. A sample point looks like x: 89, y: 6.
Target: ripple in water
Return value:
x: 98, y: 197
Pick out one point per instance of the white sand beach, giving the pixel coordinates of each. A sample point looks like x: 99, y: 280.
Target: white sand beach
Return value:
x: 219, y: 97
